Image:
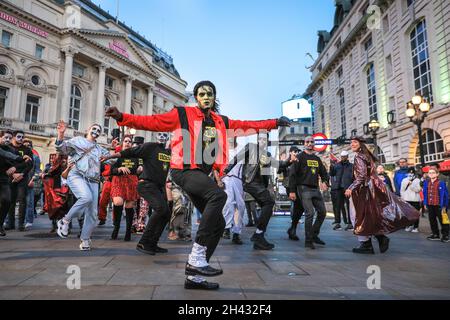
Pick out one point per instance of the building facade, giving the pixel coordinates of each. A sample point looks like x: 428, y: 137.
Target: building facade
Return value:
x: 378, y: 55
x: 70, y: 60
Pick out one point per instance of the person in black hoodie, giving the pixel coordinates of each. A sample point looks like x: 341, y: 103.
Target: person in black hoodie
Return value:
x: 19, y: 182
x: 305, y: 179
x: 152, y: 187
x: 8, y: 159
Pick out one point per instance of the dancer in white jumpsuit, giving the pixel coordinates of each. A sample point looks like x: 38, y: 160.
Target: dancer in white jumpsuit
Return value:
x: 235, y: 201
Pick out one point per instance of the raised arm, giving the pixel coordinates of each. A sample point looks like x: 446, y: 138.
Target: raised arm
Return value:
x: 165, y: 122
x: 249, y: 127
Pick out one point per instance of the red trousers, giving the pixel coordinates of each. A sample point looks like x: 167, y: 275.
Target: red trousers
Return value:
x: 104, y: 200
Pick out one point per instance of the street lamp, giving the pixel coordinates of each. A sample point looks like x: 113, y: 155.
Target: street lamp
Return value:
x: 417, y: 110
x: 372, y: 128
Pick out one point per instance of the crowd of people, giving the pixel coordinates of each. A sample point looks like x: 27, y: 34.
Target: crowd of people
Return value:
x: 199, y: 172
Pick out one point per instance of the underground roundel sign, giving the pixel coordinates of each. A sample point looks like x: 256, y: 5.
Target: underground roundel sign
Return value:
x: 321, y: 142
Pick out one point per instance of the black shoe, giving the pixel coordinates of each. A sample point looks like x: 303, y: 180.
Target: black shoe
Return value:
x: 10, y: 227
x: 160, y: 250
x: 115, y: 233
x: 310, y: 245
x: 383, y: 243
x: 433, y: 237
x: 227, y: 234
x: 237, y: 239
x: 207, y: 271
x: 147, y: 250
x: 445, y: 239
x: 337, y: 227
x: 365, y: 248
x: 204, y: 285
x: 292, y: 234
x: 2, y: 232
x: 317, y: 240
x: 101, y: 222
x: 260, y: 242
x: 348, y: 227
x: 250, y: 225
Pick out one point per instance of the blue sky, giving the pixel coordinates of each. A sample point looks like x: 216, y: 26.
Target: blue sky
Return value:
x: 253, y: 50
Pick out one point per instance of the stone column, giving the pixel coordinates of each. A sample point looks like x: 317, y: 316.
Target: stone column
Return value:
x: 128, y: 89
x: 150, y: 101
x: 67, y: 84
x: 100, y: 114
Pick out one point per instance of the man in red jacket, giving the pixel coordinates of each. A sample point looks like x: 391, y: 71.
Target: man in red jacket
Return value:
x: 199, y: 145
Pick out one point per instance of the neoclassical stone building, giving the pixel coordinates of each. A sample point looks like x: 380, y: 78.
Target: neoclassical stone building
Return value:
x: 70, y: 60
x: 377, y: 56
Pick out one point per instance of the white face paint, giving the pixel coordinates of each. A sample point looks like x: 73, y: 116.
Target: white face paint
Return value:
x: 162, y: 137
x: 95, y: 132
x: 205, y: 97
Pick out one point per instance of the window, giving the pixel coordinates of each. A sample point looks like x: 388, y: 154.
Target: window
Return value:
x: 386, y: 26
x: 305, y: 130
x: 320, y: 96
x: 3, y: 98
x: 292, y: 130
x: 31, y: 112
x: 107, y: 122
x: 433, y: 147
x: 339, y: 74
x: 350, y: 60
x: 409, y: 3
x: 109, y: 82
x: 380, y: 155
x: 372, y: 92
x: 135, y: 93
x: 36, y: 80
x: 342, y: 108
x: 353, y: 93
x: 39, y: 53
x: 6, y: 38
x: 421, y: 61
x: 78, y: 70
x: 3, y: 70
x: 389, y: 68
x: 368, y: 44
x: 75, y: 107
x: 154, y: 100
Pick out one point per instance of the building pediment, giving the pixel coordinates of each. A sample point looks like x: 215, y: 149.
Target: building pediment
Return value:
x: 120, y: 45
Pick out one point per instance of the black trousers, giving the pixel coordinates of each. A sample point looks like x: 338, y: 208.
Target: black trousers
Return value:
x: 262, y: 196
x: 296, y: 208
x: 434, y: 214
x: 334, y: 202
x: 312, y: 201
x: 343, y: 204
x: 5, y: 201
x: 18, y: 194
x: 210, y: 200
x: 250, y: 207
x: 157, y: 199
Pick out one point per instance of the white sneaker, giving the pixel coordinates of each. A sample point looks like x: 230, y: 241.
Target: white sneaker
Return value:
x: 85, y: 245
x: 28, y: 225
x: 409, y: 229
x: 415, y: 230
x: 63, y: 228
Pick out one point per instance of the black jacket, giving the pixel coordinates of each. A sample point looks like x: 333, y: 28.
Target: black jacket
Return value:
x: 9, y: 157
x: 306, y: 172
x: 341, y: 175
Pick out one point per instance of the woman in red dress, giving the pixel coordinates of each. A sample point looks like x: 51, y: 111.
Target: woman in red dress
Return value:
x: 124, y: 190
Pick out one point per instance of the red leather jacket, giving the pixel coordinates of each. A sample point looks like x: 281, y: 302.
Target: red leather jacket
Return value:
x: 191, y: 119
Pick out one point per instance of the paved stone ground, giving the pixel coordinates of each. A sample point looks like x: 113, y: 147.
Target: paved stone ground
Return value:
x: 413, y: 268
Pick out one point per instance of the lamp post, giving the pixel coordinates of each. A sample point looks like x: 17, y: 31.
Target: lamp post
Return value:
x: 372, y: 127
x: 417, y: 110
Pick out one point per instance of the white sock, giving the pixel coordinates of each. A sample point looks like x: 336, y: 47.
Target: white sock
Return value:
x: 197, y: 258
x: 196, y: 279
x: 259, y: 231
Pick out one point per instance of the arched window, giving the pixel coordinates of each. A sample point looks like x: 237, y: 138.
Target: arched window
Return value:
x: 107, y: 121
x: 433, y: 147
x: 75, y: 107
x: 342, y: 108
x: 421, y: 61
x: 372, y: 92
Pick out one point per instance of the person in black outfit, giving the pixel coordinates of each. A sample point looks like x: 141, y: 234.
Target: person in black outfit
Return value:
x: 19, y: 182
x: 305, y: 178
x: 296, y: 206
x: 8, y: 159
x: 341, y: 174
x: 152, y: 187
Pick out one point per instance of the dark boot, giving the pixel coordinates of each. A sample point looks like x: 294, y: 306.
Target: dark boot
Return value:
x: 117, y: 218
x: 129, y: 219
x: 292, y: 232
x: 226, y: 234
x: 237, y: 239
x: 365, y: 248
x: 383, y: 243
x: 260, y: 243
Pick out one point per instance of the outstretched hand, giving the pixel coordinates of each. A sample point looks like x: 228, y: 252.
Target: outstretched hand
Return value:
x: 283, y: 122
x: 114, y: 113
